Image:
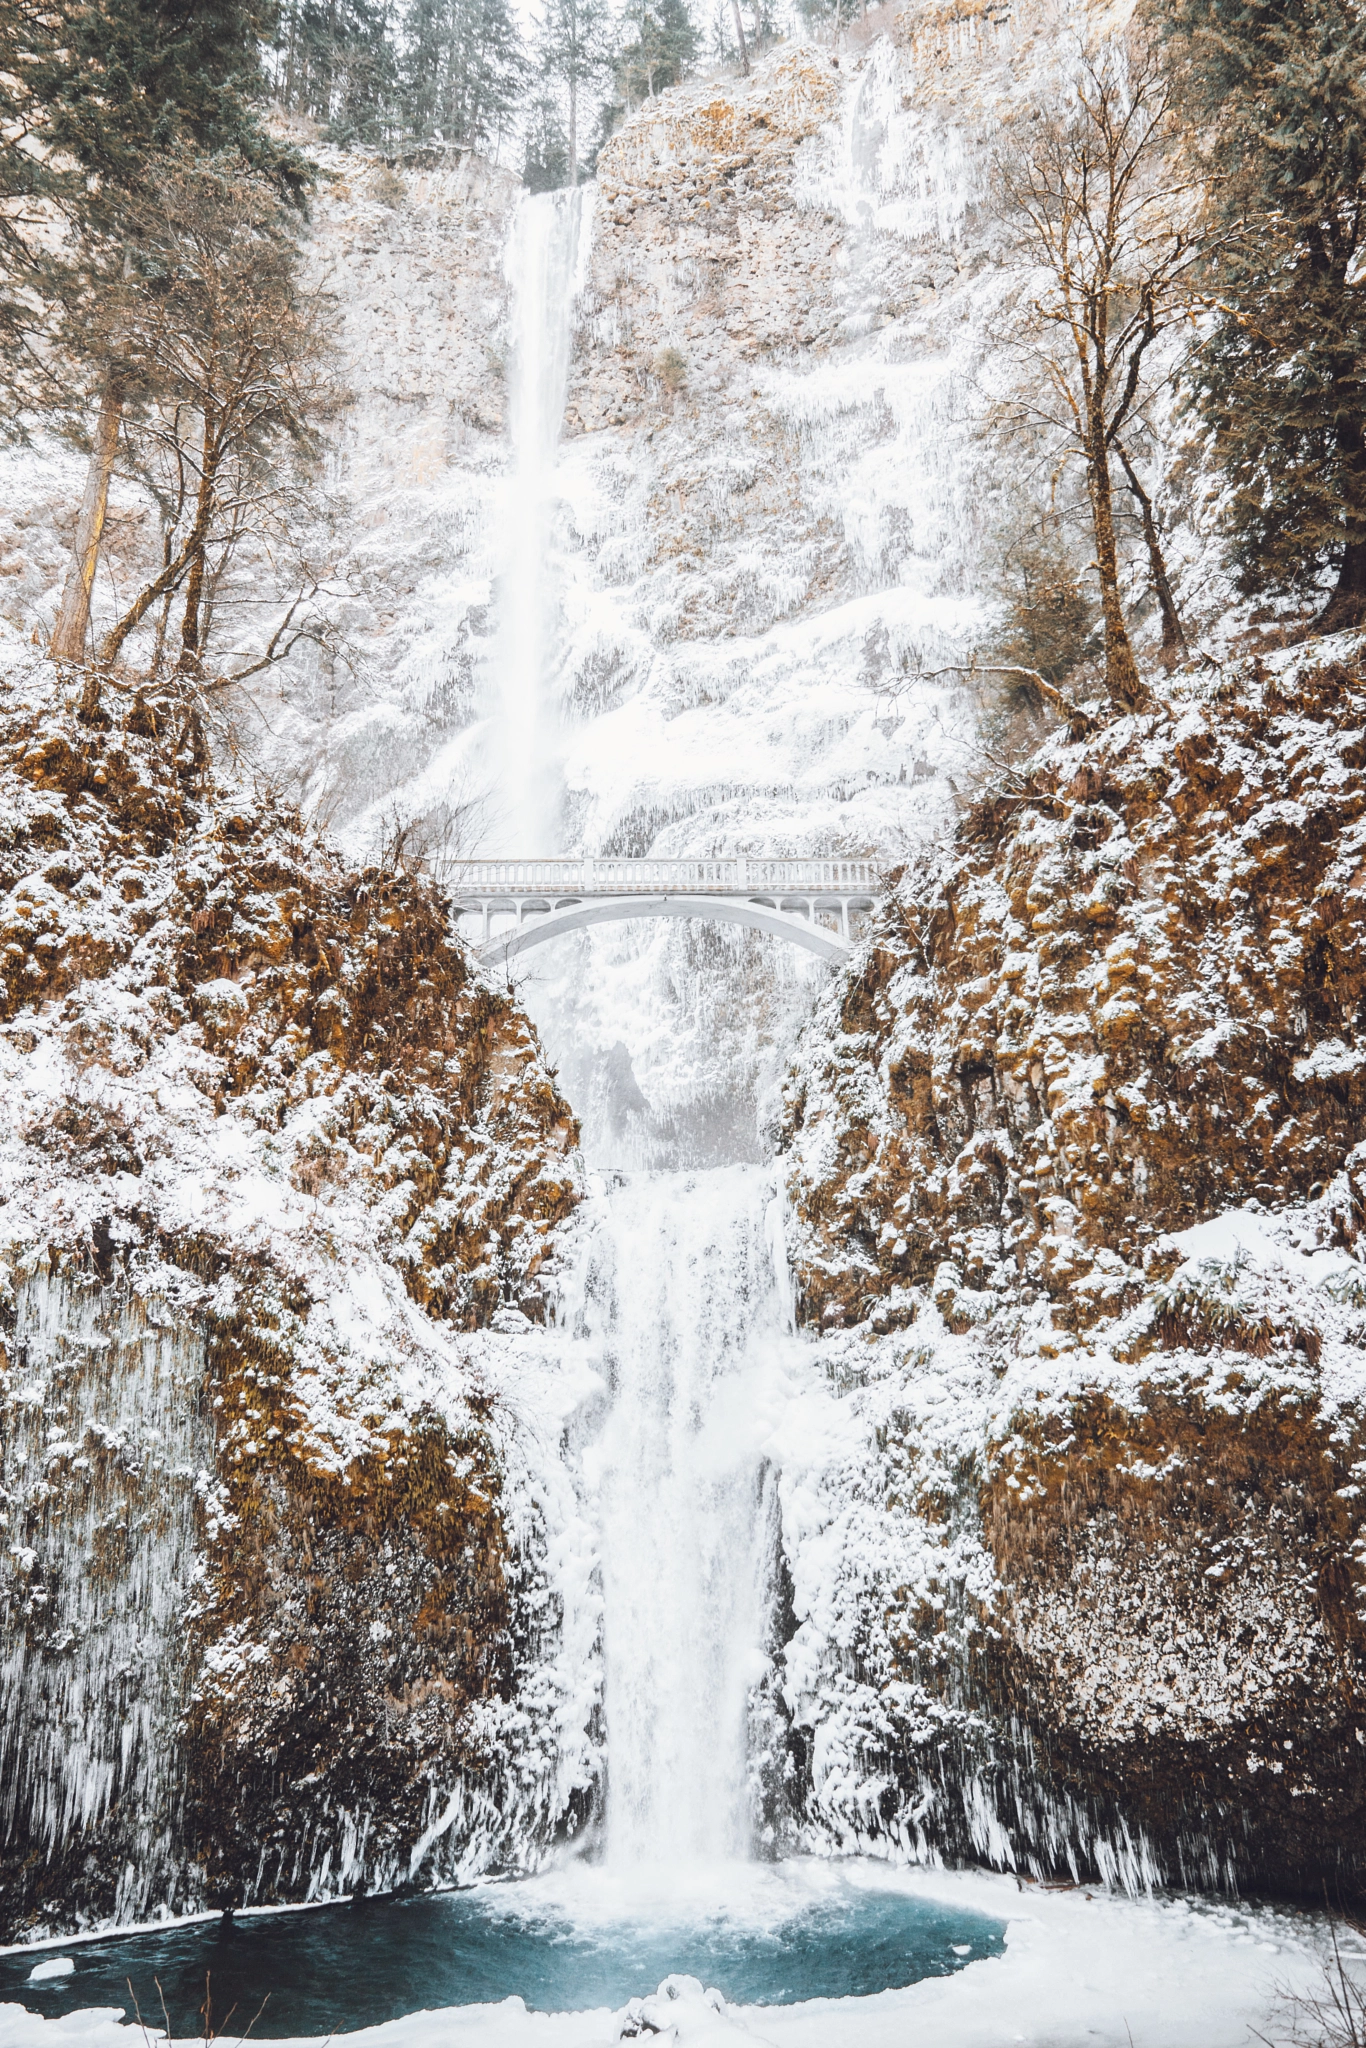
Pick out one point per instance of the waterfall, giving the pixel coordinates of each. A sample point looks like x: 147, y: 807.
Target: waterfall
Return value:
x: 685, y: 1300
x: 545, y: 254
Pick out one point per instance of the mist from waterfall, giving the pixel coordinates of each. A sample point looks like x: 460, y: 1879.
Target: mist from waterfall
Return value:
x: 544, y: 264
x: 686, y: 1298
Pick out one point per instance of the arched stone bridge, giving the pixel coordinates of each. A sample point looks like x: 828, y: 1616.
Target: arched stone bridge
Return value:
x: 522, y: 903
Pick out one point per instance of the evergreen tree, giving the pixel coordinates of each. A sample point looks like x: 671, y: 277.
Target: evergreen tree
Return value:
x: 546, y: 165
x: 659, y: 42
x: 464, y: 68
x: 123, y: 80
x: 1277, y: 88
x: 122, y: 86
x: 574, y: 51
x: 336, y: 60
x: 28, y: 179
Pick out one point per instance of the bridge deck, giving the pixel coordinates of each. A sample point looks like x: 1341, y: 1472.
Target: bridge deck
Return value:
x: 741, y: 875
x: 794, y: 900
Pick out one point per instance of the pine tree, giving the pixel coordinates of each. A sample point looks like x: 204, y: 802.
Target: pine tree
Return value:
x: 1277, y: 87
x: 464, y: 69
x: 123, y: 85
x: 546, y: 164
x: 336, y: 61
x: 574, y: 51
x: 659, y: 42
x: 126, y: 79
x: 30, y: 183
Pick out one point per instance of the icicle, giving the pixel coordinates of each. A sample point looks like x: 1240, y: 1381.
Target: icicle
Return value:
x: 103, y: 1441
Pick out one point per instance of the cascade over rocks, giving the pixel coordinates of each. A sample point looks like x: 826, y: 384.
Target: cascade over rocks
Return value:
x: 271, y: 1145
x: 1075, y: 1165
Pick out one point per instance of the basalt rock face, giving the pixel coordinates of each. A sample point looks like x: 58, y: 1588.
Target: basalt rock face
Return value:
x: 271, y: 1146
x: 1077, y: 1183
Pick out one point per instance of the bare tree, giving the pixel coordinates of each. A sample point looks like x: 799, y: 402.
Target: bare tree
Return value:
x: 1334, y: 2014
x: 238, y: 380
x: 1104, y: 206
x: 433, y: 843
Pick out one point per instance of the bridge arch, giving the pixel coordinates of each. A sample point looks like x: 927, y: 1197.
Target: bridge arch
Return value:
x: 573, y: 917
x: 546, y: 898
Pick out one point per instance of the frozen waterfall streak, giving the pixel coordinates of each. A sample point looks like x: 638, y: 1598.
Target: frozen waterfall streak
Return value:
x: 100, y: 1454
x: 543, y: 265
x: 695, y: 1315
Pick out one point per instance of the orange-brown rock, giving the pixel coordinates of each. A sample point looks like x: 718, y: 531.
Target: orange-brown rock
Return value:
x: 1121, y: 1462
x: 272, y: 1147
x: 1131, y: 996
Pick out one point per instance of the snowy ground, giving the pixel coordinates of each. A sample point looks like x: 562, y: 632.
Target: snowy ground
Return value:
x: 1079, y: 1968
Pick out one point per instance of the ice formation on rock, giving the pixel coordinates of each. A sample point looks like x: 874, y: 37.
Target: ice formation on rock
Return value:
x: 104, y: 1456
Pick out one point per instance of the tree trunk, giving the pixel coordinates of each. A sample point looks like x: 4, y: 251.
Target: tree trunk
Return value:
x: 1122, y: 679
x: 740, y: 33
x: 573, y: 133
x: 1346, y: 607
x: 73, y: 619
x: 159, y: 647
x: 1173, y: 633
x: 138, y: 610
x: 189, y: 663
x: 190, y: 556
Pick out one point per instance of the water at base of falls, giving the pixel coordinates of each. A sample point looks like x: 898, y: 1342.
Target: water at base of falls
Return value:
x: 679, y: 1292
x: 571, y: 1942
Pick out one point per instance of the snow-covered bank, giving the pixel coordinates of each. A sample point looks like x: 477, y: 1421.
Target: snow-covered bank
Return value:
x: 1079, y: 1969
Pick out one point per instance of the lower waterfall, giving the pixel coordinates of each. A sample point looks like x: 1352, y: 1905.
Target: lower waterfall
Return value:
x: 685, y: 1294
x: 675, y: 1306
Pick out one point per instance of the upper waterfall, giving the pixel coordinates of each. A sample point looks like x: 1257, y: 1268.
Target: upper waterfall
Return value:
x: 544, y: 262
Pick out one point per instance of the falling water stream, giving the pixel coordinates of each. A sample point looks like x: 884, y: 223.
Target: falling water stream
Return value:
x: 545, y: 255
x: 692, y: 1324
x: 680, y: 1296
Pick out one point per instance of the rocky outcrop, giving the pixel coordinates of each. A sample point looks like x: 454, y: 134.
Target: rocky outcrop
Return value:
x: 1132, y: 996
x: 1075, y: 1160
x: 701, y: 262
x: 271, y: 1145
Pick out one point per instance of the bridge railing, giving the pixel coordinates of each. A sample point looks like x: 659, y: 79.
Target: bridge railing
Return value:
x: 739, y: 875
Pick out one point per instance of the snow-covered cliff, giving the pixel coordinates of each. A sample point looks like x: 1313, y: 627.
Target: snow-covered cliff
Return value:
x: 1073, y: 1158
x: 773, y: 508
x: 274, y: 1608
